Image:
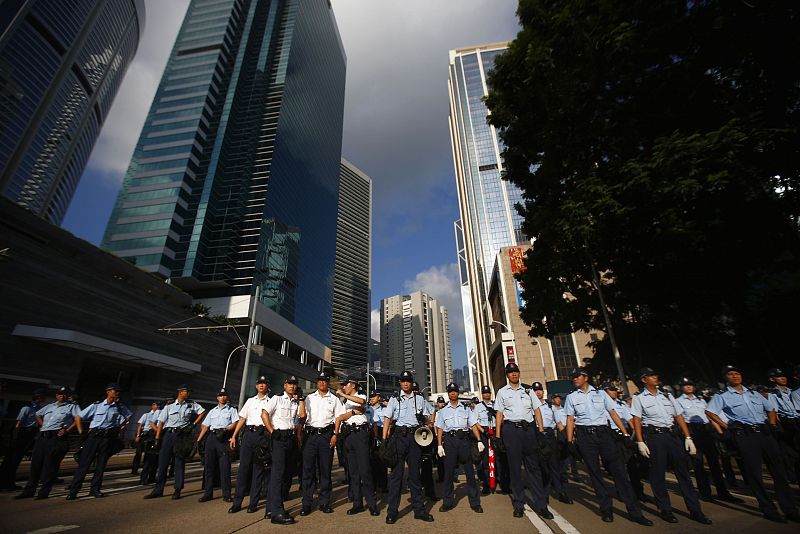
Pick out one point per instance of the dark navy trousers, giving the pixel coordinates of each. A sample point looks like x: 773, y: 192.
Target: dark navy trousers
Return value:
x: 356, y: 446
x: 521, y: 448
x: 666, y: 449
x: 284, y: 447
x: 706, y: 450
x: 251, y: 472
x: 754, y: 448
x: 317, y: 451
x: 216, y: 455
x: 96, y: 447
x: 48, y: 451
x: 599, y: 443
x: 457, y: 451
x: 551, y: 466
x: 409, y: 453
x: 165, y: 456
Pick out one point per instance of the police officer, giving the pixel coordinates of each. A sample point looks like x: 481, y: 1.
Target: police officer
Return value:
x: 282, y: 417
x: 218, y: 424
x: 176, y: 423
x: 57, y: 420
x: 795, y: 395
x: 634, y: 463
x: 518, y: 417
x: 789, y: 436
x: 353, y: 425
x: 375, y: 414
x: 145, y: 429
x: 406, y: 412
x: 485, y: 416
x: 25, y: 430
x: 108, y: 419
x: 550, y: 459
x: 322, y: 409
x: 455, y: 426
x: 750, y: 418
x: 654, y: 414
x: 251, y: 472
x: 587, y: 409
x: 428, y: 458
x: 693, y: 410
x: 440, y: 403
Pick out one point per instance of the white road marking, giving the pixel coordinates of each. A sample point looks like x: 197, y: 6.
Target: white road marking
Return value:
x: 54, y: 528
x: 562, y: 523
x: 537, y: 521
x: 740, y: 495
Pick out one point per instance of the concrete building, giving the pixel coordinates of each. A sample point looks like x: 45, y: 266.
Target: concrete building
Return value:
x: 415, y: 335
x: 61, y: 64
x: 350, y: 341
x: 233, y: 188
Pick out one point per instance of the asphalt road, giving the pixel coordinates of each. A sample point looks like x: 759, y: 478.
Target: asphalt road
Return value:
x: 124, y: 510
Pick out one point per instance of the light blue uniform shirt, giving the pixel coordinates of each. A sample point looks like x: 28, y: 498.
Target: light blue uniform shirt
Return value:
x: 56, y: 416
x: 560, y: 415
x: 747, y: 408
x: 375, y: 414
x: 548, y: 416
x: 783, y: 404
x: 146, y: 419
x: 655, y: 410
x: 693, y: 409
x: 589, y: 408
x: 517, y: 405
x: 27, y: 416
x: 795, y: 397
x: 457, y: 417
x: 105, y: 415
x: 403, y: 409
x: 177, y: 415
x: 485, y: 419
x: 221, y: 417
x: 623, y: 412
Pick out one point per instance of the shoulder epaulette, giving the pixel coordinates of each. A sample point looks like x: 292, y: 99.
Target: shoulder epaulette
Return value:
x: 97, y: 402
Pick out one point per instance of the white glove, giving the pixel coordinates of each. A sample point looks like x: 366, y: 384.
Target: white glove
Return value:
x: 689, y: 446
x: 643, y: 450
x: 481, y: 447
x: 440, y: 451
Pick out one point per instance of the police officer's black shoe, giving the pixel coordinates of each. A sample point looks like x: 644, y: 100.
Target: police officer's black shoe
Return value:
x: 252, y: 509
x: 282, y: 519
x: 563, y: 497
x: 227, y: 499
x: 477, y: 509
x: 728, y: 497
x: 205, y: 498
x: 235, y: 508
x: 607, y: 517
x: 176, y: 495
x: 544, y: 513
x: 446, y: 507
x: 391, y: 519
x: 373, y: 511
x: 267, y: 515
x: 700, y: 518
x: 153, y: 495
x: 518, y: 512
x: 355, y: 510
x: 325, y: 509
x: 424, y: 517
x: 642, y: 520
x: 774, y: 516
x: 73, y: 496
x: 97, y: 493
x: 23, y: 496
x: 644, y: 498
x: 667, y: 516
x: 486, y: 491
x: 305, y: 511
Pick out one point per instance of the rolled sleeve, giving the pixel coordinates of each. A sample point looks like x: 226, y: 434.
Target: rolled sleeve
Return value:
x: 716, y: 405
x: 636, y: 407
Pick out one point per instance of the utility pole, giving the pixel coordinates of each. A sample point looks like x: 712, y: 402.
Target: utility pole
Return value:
x: 243, y: 388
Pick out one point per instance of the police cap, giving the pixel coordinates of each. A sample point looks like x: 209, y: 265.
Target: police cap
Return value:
x: 452, y: 386
x: 646, y: 371
x: 554, y: 395
x: 775, y: 373
x: 349, y: 380
x: 323, y: 376
x: 537, y: 386
x: 222, y: 393
x: 609, y: 385
x: 440, y: 399
x: 63, y: 390
x: 374, y: 394
x: 262, y: 380
x: 182, y: 387
x: 728, y: 368
x: 112, y: 385
x: 291, y: 380
x: 406, y: 376
x: 486, y: 389
x: 475, y: 400
x: 685, y: 381
x: 512, y: 367
x: 578, y: 371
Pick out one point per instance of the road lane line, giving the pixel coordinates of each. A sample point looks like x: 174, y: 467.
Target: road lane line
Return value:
x: 537, y: 521
x: 562, y: 523
x: 53, y: 529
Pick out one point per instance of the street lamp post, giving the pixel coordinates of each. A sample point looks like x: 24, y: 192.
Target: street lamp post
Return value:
x: 228, y: 362
x: 243, y: 388
x: 535, y: 343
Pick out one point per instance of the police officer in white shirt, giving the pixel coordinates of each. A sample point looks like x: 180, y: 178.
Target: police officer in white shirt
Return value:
x: 355, y: 430
x: 251, y: 471
x: 282, y: 417
x: 322, y: 409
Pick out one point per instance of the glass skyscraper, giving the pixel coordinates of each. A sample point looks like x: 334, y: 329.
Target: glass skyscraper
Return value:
x: 61, y: 64
x: 489, y: 220
x: 235, y: 178
x: 350, y: 342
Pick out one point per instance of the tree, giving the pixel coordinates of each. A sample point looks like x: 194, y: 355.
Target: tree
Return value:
x: 658, y: 142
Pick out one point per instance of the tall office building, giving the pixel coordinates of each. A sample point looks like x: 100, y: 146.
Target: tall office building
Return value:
x: 350, y: 341
x: 415, y: 335
x: 61, y: 64
x: 486, y: 202
x: 234, y: 182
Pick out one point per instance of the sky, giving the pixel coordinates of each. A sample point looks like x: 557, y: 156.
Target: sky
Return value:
x: 395, y: 130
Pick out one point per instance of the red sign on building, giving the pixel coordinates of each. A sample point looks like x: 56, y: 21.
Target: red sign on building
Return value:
x: 517, y: 260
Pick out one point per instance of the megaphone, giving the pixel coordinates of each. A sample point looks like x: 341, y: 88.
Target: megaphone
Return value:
x: 423, y: 436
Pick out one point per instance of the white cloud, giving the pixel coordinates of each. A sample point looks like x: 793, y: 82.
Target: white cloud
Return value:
x: 442, y: 283
x: 375, y: 324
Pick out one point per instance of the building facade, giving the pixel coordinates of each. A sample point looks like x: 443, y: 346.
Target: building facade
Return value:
x: 489, y: 220
x: 415, y: 335
x: 234, y: 182
x: 350, y: 336
x: 61, y: 64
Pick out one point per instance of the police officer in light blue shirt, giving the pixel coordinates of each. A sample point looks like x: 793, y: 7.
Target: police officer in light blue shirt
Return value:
x: 176, y: 422
x: 747, y: 414
x: 550, y: 458
x: 108, y: 420
x: 406, y: 411
x: 456, y: 425
x: 57, y: 420
x: 486, y: 416
x: 519, y: 421
x: 789, y: 418
x: 25, y: 432
x: 375, y: 412
x: 218, y: 424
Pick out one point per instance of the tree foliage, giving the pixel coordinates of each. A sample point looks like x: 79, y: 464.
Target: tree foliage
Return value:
x: 660, y: 142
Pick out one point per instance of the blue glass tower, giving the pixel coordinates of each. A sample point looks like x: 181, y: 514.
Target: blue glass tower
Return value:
x: 235, y: 178
x: 61, y: 64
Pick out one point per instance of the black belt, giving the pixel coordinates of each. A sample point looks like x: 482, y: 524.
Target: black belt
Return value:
x: 747, y: 429
x: 549, y: 431
x: 460, y: 434
x: 699, y: 426
x: 47, y: 433
x: 591, y: 429
x: 357, y: 428
x: 319, y: 429
x: 649, y: 429
x: 101, y: 432
x: 519, y: 424
x: 405, y: 430
x: 255, y: 428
